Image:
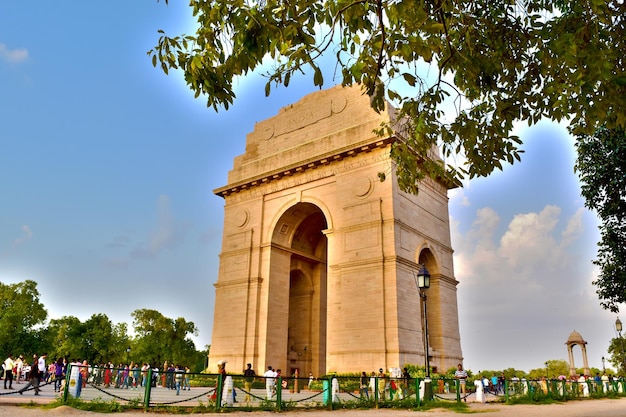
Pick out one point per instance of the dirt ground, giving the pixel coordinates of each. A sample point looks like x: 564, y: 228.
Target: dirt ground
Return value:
x: 588, y: 408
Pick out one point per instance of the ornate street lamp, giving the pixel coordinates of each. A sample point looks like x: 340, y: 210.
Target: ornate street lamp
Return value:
x: 422, y: 280
x: 618, y: 327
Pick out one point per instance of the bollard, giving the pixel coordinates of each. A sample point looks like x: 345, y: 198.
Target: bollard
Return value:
x: 376, y: 391
x: 428, y: 389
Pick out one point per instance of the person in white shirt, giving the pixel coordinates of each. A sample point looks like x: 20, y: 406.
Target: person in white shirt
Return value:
x: 20, y: 368
x: 41, y: 366
x: 8, y: 371
x: 270, y: 381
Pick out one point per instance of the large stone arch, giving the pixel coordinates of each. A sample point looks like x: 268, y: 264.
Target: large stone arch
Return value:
x: 319, y: 248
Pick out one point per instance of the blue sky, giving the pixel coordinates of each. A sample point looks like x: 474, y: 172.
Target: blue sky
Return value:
x: 107, y: 168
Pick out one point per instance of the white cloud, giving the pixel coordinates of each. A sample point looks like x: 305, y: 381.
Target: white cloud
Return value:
x: 167, y: 233
x: 522, y: 290
x: 12, y: 55
x: 27, y: 235
x: 529, y: 239
x: 574, y: 227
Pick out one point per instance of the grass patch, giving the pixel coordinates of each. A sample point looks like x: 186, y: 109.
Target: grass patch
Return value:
x: 544, y: 399
x: 97, y: 405
x: 461, y: 407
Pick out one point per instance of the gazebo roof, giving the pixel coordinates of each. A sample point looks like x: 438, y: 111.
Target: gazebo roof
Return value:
x: 575, y: 338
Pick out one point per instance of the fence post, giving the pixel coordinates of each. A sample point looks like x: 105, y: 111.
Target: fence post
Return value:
x: 218, y: 394
x: 417, y: 391
x: 279, y: 393
x: 329, y: 383
x: 67, y: 382
x: 147, y: 390
x: 506, y: 390
x: 457, y: 385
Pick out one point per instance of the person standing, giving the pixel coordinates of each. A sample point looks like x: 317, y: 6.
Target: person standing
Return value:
x: 136, y: 376
x: 461, y: 375
x: 382, y: 384
x: 373, y: 383
x: 51, y: 372
x: 59, y: 374
x: 269, y: 382
x: 494, y: 384
x: 248, y: 375
x: 84, y: 373
x: 364, y: 392
x: 179, y: 373
x: 406, y: 380
x: 107, y: 374
x: 34, y: 376
x: 486, y: 384
x: 41, y: 367
x: 20, y: 366
x: 186, y: 385
x: 8, y: 371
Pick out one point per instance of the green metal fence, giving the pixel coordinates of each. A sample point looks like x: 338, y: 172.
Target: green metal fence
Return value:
x: 160, y: 389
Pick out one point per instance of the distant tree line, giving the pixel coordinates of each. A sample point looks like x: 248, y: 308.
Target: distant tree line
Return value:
x: 24, y: 330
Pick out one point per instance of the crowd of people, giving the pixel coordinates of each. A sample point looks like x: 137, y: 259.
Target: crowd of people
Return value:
x: 19, y: 370
x: 31, y: 374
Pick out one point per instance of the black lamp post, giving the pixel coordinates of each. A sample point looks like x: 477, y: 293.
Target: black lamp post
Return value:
x: 603, y: 364
x: 128, y: 354
x: 422, y: 280
x: 618, y: 327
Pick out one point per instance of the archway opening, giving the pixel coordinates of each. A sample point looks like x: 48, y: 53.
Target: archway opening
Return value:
x: 300, y: 232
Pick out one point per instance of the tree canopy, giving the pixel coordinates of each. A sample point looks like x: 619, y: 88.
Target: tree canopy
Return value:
x: 97, y: 340
x: 21, y: 312
x: 23, y: 330
x: 601, y: 165
x: 161, y: 339
x: 460, y: 72
x: 617, y: 356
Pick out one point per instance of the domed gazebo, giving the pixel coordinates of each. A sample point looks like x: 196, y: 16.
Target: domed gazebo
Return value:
x: 576, y: 339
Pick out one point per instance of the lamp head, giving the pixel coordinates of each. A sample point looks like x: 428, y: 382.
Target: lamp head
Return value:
x: 423, y: 278
x: 618, y: 325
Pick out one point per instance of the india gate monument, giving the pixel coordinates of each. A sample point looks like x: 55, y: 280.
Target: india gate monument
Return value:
x: 320, y: 249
